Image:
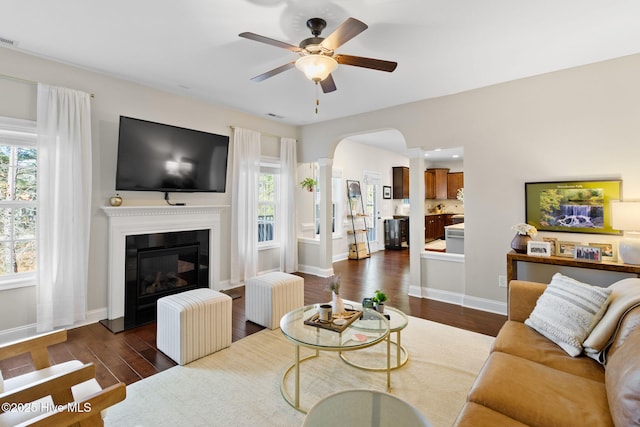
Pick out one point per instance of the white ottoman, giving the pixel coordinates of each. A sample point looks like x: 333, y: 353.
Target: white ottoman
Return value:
x: 270, y: 296
x: 193, y: 324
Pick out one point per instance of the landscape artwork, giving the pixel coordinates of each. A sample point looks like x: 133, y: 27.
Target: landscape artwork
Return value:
x: 572, y: 206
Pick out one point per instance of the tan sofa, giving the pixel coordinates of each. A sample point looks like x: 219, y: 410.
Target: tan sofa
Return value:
x: 530, y: 381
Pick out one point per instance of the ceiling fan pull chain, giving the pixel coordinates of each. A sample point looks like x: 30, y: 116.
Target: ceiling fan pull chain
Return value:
x: 317, y: 97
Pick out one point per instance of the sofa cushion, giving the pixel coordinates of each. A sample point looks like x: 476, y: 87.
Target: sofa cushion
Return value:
x: 623, y: 385
x: 523, y: 296
x: 474, y: 415
x: 537, y: 395
x: 623, y: 372
x: 624, y: 295
x: 567, y: 311
x: 519, y: 340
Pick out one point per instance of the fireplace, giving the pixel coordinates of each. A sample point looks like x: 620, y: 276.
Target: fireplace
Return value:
x: 133, y: 221
x: 161, y: 264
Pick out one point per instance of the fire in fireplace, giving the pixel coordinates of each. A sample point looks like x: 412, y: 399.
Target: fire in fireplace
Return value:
x: 162, y: 264
x: 162, y: 270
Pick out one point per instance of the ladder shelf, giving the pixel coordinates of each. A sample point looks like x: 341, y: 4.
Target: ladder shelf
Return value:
x: 360, y: 248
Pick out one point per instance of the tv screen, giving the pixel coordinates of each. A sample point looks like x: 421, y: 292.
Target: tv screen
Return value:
x: 158, y: 157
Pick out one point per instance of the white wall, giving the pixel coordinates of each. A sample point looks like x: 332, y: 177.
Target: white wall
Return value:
x: 580, y: 123
x: 114, y: 97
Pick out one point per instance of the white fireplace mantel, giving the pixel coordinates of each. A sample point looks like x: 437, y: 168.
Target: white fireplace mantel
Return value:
x: 131, y: 220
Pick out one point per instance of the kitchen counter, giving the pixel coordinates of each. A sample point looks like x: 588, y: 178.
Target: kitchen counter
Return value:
x: 454, y: 237
x: 442, y: 213
x: 455, y: 226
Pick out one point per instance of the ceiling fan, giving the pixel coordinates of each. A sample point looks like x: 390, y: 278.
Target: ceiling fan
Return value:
x: 317, y: 54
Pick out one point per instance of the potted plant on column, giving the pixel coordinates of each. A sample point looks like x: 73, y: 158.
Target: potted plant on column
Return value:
x: 378, y: 299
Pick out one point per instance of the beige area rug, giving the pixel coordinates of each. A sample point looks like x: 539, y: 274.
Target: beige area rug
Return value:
x: 240, y: 385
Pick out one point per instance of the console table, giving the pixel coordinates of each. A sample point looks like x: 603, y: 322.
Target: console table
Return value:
x: 513, y: 258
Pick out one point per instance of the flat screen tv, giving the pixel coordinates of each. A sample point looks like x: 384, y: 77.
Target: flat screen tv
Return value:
x: 159, y: 157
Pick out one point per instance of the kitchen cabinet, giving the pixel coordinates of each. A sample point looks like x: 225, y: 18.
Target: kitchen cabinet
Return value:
x: 429, y: 184
x: 448, y: 219
x: 435, y: 180
x: 434, y: 227
x: 455, y: 181
x: 400, y: 182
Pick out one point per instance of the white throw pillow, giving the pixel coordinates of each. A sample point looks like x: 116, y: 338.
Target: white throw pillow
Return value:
x: 567, y: 311
x: 1, y: 383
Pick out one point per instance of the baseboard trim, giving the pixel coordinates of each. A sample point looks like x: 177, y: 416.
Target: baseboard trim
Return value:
x: 463, y: 300
x: 444, y: 296
x: 316, y: 271
x: 21, y: 332
x: 484, y: 304
x: 415, y: 291
x: 26, y: 331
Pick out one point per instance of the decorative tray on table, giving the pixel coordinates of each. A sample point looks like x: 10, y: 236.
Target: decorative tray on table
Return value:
x: 339, y: 321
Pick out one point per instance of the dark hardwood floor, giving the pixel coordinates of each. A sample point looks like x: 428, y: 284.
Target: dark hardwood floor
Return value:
x: 132, y: 355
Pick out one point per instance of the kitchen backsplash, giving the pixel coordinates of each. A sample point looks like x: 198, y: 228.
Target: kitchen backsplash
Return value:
x: 448, y: 206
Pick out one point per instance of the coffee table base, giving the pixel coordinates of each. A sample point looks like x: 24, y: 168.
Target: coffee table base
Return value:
x: 401, y: 360
x: 295, y: 367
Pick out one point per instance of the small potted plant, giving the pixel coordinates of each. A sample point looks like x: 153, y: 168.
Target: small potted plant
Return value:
x: 378, y: 299
x: 308, y: 183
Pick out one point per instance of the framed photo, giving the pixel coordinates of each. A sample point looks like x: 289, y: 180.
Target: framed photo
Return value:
x: 572, y: 206
x: 606, y: 250
x: 588, y: 253
x: 386, y: 192
x: 552, y: 243
x: 565, y: 249
x: 538, y: 248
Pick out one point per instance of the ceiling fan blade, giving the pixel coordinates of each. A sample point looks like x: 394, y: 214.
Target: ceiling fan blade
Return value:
x: 328, y: 85
x: 345, y: 32
x: 360, y: 61
x: 273, y: 72
x: 267, y: 40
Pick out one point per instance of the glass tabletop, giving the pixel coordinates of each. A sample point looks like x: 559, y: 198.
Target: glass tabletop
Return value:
x: 397, y: 319
x: 372, y: 328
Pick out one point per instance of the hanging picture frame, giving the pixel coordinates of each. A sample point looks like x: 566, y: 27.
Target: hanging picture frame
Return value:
x: 572, y: 206
x: 386, y: 192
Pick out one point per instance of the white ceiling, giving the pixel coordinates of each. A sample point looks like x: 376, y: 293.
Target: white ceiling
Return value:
x: 192, y: 47
x: 392, y: 140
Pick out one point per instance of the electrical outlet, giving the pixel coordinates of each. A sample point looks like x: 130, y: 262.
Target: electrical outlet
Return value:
x: 502, y: 281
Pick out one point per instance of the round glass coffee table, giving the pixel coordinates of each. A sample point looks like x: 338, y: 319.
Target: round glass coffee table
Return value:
x: 397, y: 322
x: 369, y: 330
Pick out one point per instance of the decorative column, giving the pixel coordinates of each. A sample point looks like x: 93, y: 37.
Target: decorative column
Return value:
x: 416, y: 218
x: 325, y: 263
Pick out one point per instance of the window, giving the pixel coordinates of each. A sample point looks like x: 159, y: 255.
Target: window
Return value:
x: 268, y: 186
x: 336, y: 193
x: 18, y: 214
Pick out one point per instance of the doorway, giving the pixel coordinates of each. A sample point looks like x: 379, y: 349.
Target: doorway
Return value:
x: 373, y: 201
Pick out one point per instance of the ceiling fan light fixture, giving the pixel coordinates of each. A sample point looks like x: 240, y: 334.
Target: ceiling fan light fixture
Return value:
x: 316, y: 67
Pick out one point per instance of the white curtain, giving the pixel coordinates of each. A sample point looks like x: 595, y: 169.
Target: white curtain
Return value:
x: 64, y: 205
x: 288, y: 184
x: 244, y: 204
